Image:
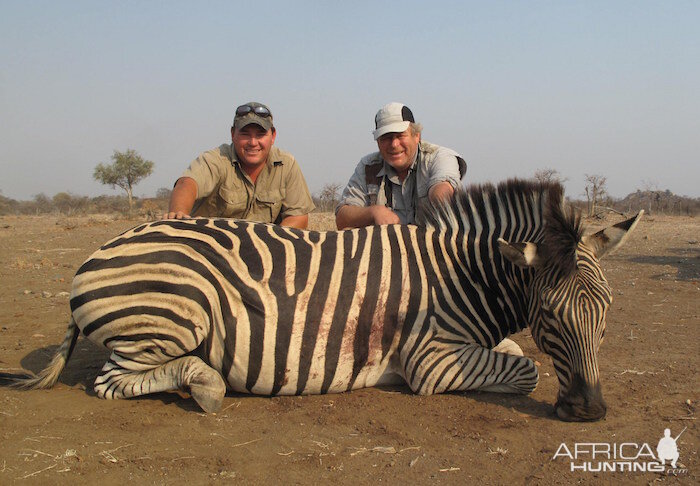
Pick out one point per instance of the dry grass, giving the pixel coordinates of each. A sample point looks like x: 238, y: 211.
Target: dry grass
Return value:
x: 322, y: 222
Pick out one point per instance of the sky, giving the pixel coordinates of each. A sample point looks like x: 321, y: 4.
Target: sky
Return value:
x: 609, y: 88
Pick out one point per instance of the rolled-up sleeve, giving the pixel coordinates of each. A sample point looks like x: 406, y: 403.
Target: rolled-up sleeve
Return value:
x: 206, y: 172
x: 355, y: 193
x: 297, y: 200
x: 444, y: 168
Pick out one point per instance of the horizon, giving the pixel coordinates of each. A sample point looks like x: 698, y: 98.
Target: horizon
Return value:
x: 118, y: 192
x: 514, y: 87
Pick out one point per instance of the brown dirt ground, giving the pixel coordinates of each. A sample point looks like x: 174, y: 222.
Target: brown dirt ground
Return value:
x: 67, y: 435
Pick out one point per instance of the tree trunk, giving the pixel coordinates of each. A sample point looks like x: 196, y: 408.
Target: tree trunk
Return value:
x: 129, y: 193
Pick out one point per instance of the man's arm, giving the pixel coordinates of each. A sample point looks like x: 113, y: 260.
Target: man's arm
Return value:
x: 442, y: 191
x: 300, y: 222
x: 349, y: 216
x: 297, y: 199
x: 182, y: 199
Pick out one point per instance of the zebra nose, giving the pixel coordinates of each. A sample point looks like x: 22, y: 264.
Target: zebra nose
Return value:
x: 582, y: 402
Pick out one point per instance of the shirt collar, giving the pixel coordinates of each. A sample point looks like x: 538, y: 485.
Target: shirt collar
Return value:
x: 389, y: 171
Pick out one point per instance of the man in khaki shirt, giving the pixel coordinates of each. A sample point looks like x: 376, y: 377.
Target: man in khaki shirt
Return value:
x: 248, y: 179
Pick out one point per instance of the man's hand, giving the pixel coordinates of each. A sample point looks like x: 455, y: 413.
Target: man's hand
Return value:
x: 356, y: 216
x: 175, y: 215
x: 300, y: 222
x: 384, y: 215
x: 182, y: 199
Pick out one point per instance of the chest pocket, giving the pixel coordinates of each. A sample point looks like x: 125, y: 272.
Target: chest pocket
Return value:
x: 268, y: 205
x: 232, y: 202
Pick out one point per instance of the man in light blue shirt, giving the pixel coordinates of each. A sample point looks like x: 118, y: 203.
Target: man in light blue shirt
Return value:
x: 395, y: 184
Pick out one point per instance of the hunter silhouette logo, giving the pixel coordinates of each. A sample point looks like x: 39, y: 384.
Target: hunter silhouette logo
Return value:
x: 667, y: 450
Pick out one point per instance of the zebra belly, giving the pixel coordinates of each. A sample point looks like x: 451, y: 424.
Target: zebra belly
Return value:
x: 316, y: 381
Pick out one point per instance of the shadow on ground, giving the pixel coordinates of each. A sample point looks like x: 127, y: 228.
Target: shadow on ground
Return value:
x: 685, y: 260
x: 523, y: 404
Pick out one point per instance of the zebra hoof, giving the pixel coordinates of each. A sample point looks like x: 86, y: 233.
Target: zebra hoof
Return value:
x: 208, y: 390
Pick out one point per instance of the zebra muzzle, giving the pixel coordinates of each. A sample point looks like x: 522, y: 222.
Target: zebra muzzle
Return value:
x: 582, y: 403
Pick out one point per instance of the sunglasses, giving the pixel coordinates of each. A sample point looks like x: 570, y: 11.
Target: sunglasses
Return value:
x: 258, y: 110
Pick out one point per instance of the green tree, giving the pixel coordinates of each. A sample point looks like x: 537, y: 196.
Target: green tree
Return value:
x: 126, y: 170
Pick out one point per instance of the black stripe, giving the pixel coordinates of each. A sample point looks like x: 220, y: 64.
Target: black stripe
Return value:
x: 148, y: 336
x: 491, y: 288
x: 286, y: 304
x: 437, y: 361
x: 158, y: 236
x: 395, y: 291
x: 139, y: 287
x: 200, y: 227
x: 481, y: 364
x: 256, y: 313
x: 459, y: 374
x: 414, y: 281
x: 315, y: 311
x: 346, y: 293
x: 424, y: 329
x: 302, y: 253
x: 143, y: 311
x: 365, y: 319
x: 248, y: 253
x: 499, y: 370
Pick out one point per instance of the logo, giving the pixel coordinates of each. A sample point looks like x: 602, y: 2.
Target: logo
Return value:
x: 668, y: 449
x: 623, y: 457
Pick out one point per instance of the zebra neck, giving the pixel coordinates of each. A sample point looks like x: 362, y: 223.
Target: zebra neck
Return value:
x: 470, y: 277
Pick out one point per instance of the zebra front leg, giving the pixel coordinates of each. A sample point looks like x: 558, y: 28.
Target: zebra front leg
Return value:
x: 122, y: 377
x: 442, y: 367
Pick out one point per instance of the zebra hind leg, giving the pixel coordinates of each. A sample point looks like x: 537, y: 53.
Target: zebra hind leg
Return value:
x: 122, y: 377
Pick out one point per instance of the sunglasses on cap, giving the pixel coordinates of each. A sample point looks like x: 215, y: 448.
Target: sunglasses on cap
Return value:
x: 258, y: 110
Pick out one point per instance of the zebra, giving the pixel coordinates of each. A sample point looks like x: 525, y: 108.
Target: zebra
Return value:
x: 206, y: 305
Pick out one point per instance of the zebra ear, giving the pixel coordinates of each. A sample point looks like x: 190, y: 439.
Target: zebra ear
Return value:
x: 520, y: 254
x: 607, y: 240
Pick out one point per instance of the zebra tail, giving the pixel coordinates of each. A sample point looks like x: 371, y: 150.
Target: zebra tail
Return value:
x: 49, y: 375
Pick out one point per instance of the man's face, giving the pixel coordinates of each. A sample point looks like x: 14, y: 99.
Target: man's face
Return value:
x: 253, y: 143
x: 399, y: 149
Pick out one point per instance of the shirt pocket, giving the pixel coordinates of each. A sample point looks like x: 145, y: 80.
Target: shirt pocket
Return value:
x: 421, y: 187
x: 268, y: 206
x: 232, y: 202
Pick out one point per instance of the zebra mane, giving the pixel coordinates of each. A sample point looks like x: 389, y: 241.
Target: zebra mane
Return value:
x: 545, y: 218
